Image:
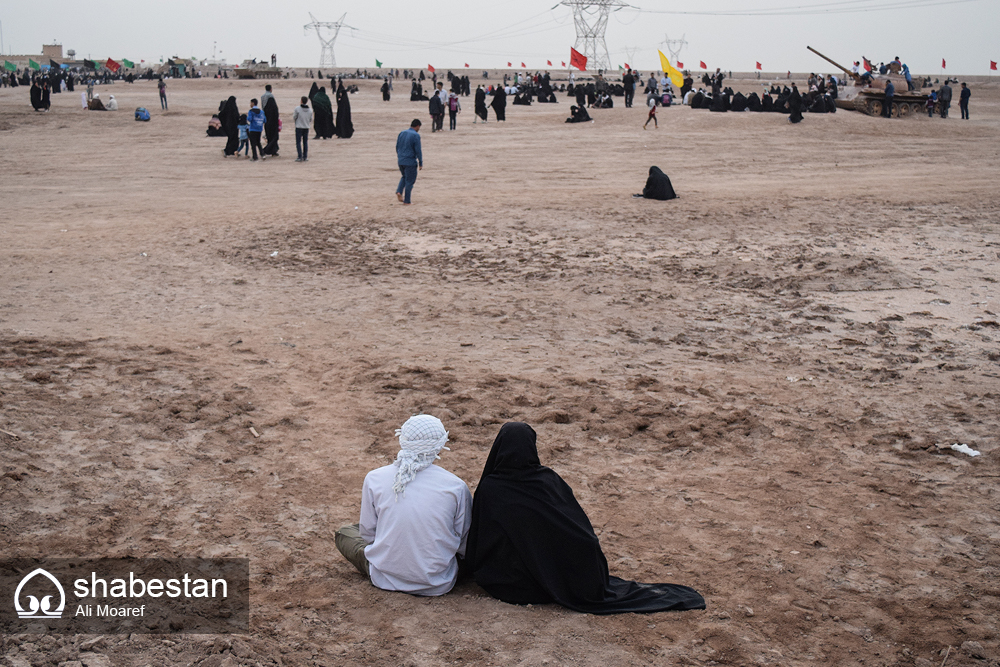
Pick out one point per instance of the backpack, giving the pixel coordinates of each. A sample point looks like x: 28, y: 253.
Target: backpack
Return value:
x: 141, y: 114
x: 453, y: 104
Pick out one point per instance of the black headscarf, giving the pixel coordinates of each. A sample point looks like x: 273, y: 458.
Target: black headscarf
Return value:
x: 531, y: 542
x: 313, y: 91
x: 658, y: 186
x: 499, y: 103
x: 230, y: 119
x: 271, y: 127
x: 345, y: 128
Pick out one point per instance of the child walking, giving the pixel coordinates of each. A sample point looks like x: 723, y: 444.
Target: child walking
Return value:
x: 652, y: 114
x: 243, y: 126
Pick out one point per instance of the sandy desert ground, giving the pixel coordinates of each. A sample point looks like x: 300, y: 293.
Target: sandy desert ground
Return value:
x: 750, y: 389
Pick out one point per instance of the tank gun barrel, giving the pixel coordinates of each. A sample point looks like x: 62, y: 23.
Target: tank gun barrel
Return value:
x: 835, y: 64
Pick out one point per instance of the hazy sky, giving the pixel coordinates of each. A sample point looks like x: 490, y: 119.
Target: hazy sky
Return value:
x: 450, y: 33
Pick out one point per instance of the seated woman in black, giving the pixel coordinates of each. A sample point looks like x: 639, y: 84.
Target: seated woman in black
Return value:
x: 658, y: 186
x: 577, y: 115
x: 530, y: 541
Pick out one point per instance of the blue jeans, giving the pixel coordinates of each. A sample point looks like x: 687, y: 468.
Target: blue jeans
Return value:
x: 302, y: 142
x: 405, y: 187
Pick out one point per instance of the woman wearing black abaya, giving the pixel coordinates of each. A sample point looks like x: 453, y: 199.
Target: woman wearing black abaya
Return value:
x: 481, y: 111
x: 795, y: 105
x: 45, y: 95
x: 230, y: 119
x: 530, y: 541
x: 658, y: 186
x: 36, y: 96
x: 385, y: 90
x: 271, y: 128
x: 322, y: 115
x: 345, y: 128
x: 499, y: 104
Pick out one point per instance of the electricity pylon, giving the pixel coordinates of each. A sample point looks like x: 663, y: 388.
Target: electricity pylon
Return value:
x: 326, y: 57
x: 674, y: 47
x: 591, y: 20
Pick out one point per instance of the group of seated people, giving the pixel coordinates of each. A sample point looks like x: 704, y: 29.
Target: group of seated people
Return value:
x: 776, y: 100
x: 523, y: 537
x: 95, y: 103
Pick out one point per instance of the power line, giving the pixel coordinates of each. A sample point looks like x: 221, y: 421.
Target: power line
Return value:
x: 860, y: 6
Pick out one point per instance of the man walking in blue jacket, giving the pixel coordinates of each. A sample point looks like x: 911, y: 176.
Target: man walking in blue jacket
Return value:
x: 255, y: 121
x: 410, y: 159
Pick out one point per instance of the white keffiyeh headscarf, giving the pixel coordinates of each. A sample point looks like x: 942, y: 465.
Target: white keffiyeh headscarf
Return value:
x: 420, y: 440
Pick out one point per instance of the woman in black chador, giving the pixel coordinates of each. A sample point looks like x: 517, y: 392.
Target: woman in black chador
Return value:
x: 345, y: 128
x: 658, y: 186
x: 229, y: 116
x: 322, y: 114
x: 271, y: 128
x: 481, y: 103
x: 795, y: 105
x: 499, y: 104
x: 530, y: 541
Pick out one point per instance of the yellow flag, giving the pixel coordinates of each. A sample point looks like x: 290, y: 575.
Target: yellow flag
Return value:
x: 676, y: 77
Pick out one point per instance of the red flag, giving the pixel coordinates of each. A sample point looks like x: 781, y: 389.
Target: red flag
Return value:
x: 627, y: 66
x: 112, y: 65
x: 510, y: 65
x: 523, y: 65
x: 993, y: 64
x: 549, y: 62
x: 868, y: 64
x: 759, y: 67
x: 680, y: 65
x: 564, y: 63
x: 703, y: 65
x: 577, y: 59
x: 943, y: 63
x: 431, y: 68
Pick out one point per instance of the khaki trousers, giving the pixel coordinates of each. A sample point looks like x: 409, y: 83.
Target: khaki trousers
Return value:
x: 350, y: 543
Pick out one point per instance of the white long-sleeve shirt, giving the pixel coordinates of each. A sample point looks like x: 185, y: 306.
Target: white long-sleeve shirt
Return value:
x: 413, y: 540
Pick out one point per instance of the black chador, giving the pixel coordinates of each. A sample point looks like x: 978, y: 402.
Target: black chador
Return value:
x: 271, y: 128
x: 499, y: 103
x: 530, y: 542
x: 658, y: 186
x: 229, y: 116
x: 345, y: 128
x: 481, y: 103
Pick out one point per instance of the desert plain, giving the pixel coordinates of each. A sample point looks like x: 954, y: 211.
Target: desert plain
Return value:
x: 752, y: 389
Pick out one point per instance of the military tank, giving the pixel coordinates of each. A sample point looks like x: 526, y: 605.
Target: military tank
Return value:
x: 868, y: 95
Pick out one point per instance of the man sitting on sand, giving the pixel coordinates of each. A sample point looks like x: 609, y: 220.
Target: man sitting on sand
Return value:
x: 415, y: 517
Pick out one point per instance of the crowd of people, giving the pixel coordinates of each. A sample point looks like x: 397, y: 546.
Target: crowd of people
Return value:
x: 262, y: 122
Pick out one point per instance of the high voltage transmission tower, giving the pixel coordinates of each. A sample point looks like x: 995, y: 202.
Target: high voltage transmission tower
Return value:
x: 591, y: 20
x: 674, y: 47
x: 326, y: 57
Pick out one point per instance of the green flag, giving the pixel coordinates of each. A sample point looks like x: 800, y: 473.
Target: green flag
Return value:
x: 620, y: 68
x: 9, y: 66
x: 127, y: 62
x: 378, y: 63
x: 33, y: 65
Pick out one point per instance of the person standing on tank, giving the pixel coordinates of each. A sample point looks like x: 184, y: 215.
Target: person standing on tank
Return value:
x: 890, y: 92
